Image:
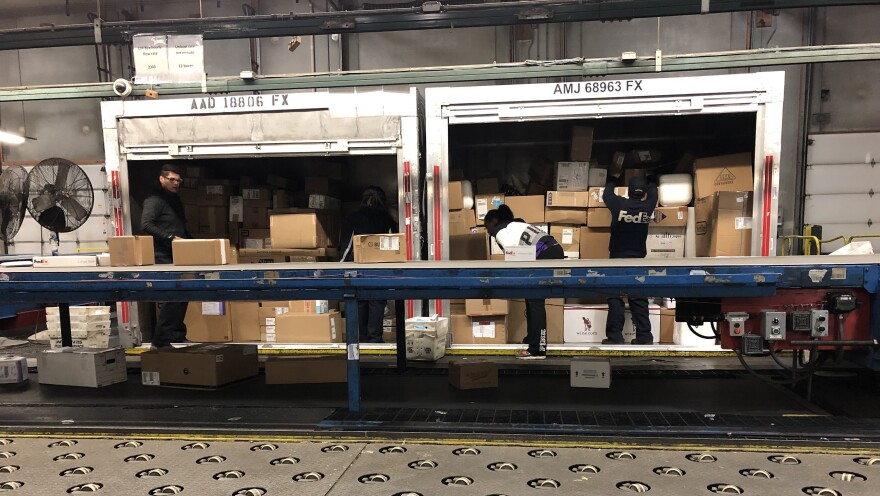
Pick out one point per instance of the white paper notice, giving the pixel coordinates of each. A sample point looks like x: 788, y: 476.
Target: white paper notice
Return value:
x: 150, y: 58
x: 482, y: 208
x: 567, y: 236
x: 213, y: 308
x: 484, y: 330
x: 186, y: 58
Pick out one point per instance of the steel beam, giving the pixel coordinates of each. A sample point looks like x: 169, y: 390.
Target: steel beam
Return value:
x: 489, y: 72
x: 401, y: 19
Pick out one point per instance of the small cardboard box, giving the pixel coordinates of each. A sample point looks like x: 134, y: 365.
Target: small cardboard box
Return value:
x: 200, y: 365
x: 665, y: 242
x: 519, y: 254
x: 572, y: 216
x: 13, y: 369
x: 670, y: 217
x: 724, y: 224
x: 201, y: 251
x: 594, y: 243
x: 307, y: 230
x: 581, y: 143
x: 255, y: 218
x: 374, y: 248
x: 455, y: 198
x: 479, y: 330
x: 320, y: 369
x: 309, y: 328
x: 84, y: 367
x: 598, y: 217
x: 467, y: 373
x: 667, y: 325
x: 473, y: 246
x: 257, y: 197
x: 481, y: 308
x: 570, y: 239
x: 131, y: 251
x: 528, y: 208
x: 66, y: 261
x: 461, y: 222
x: 591, y: 373
x: 426, y: 338
x: 572, y: 176
x: 723, y: 173
x: 577, y: 199
x: 485, y: 203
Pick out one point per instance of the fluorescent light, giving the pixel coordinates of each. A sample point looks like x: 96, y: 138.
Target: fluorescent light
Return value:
x: 12, y: 139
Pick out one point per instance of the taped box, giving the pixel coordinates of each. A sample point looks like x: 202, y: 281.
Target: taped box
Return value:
x: 473, y: 374
x: 426, y: 338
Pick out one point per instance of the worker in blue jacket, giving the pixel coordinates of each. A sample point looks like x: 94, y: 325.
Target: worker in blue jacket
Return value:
x: 629, y: 233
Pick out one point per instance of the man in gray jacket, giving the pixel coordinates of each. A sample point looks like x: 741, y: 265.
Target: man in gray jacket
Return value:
x: 164, y: 218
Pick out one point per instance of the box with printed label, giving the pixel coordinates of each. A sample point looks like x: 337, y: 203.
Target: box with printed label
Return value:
x: 309, y: 328
x: 236, y: 209
x: 455, y: 198
x: 257, y: 197
x: 484, y: 203
x: 206, y: 322
x: 323, y: 202
x: 528, y: 208
x: 575, y: 199
x: 320, y: 369
x: 131, y: 251
x: 479, y: 330
x: 586, y: 323
x: 573, y: 216
x: 426, y: 338
x: 201, y: 251
x: 373, y: 248
x: 213, y: 219
x: 572, y: 176
x: 461, y: 221
x: 724, y: 224
x: 723, y: 173
x: 665, y: 242
x: 66, y: 261
x: 595, y: 242
x: 13, y: 369
x: 670, y: 217
x: 569, y: 238
x: 479, y: 308
x: 84, y: 367
x: 517, y: 324
x: 468, y: 373
x: 591, y: 373
x: 200, y: 365
x: 581, y: 143
x: 307, y: 230
x: 598, y: 217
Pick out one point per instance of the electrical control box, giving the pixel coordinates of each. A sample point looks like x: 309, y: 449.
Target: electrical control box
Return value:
x: 736, y: 323
x: 773, y: 325
x: 818, y: 323
x: 800, y: 321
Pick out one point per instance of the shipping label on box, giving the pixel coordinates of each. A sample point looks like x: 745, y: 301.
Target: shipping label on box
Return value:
x: 572, y: 176
x: 13, y: 369
x: 670, y: 217
x: 665, y: 242
x: 379, y: 248
x: 483, y: 329
x: 485, y: 203
x: 213, y: 308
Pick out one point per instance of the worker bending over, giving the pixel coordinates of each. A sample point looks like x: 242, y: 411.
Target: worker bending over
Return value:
x: 508, y: 232
x: 629, y: 234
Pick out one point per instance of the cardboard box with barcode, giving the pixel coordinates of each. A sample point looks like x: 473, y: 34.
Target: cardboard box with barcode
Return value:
x: 724, y: 224
x: 13, y: 369
x: 426, y: 338
x: 319, y: 369
x: 255, y: 239
x: 131, y: 251
x: 374, y: 248
x: 473, y: 373
x: 489, y: 329
x: 303, y: 230
x: 201, y: 251
x: 83, y: 367
x: 200, y: 365
x: 528, y: 208
x: 484, y: 203
x: 309, y: 328
x: 572, y: 176
x: 569, y: 238
x: 723, y: 173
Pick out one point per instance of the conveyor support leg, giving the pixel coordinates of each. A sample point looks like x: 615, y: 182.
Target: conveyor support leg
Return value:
x: 64, y: 316
x: 400, y: 321
x: 352, y: 341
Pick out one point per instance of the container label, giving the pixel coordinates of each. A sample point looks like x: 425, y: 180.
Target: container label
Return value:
x: 742, y: 223
x: 484, y: 330
x: 567, y: 236
x: 389, y: 243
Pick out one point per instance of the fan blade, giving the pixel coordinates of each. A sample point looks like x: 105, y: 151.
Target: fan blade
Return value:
x: 43, y: 202
x: 73, y: 208
x: 61, y: 175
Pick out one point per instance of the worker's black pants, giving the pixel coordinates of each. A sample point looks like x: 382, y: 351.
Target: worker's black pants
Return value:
x: 536, y: 314
x: 169, y: 323
x: 616, y: 319
x: 370, y: 315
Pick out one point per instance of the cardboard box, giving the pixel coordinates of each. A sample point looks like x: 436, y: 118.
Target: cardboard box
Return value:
x: 528, y: 208
x: 236, y: 209
x: 245, y: 319
x: 373, y: 248
x: 310, y: 306
x: 581, y: 143
x: 724, y: 224
x: 303, y: 231
x: 667, y: 325
x: 13, y: 369
x: 465, y: 373
x: 131, y: 251
x: 569, y: 199
x: 598, y: 217
x: 670, y: 217
x: 320, y: 369
x: 255, y: 239
x: 83, y: 367
x: 595, y: 243
x: 665, y: 242
x: 517, y: 325
x: 537, y: 189
x: 213, y: 219
x: 257, y: 197
x: 723, y: 173
x: 309, y: 328
x: 214, y: 193
x: 204, y: 325
x: 201, y: 251
x: 323, y: 186
x: 596, y: 194
x: 484, y: 203
x: 591, y: 373
x: 283, y: 199
x: 324, y: 202
x: 570, y: 239
x: 488, y: 186
x: 480, y: 308
x: 586, y: 323
x: 255, y: 218
x: 574, y: 216
x: 457, y: 307
x: 200, y: 365
x: 473, y: 246
x: 479, y: 330
x: 454, y: 197
x: 572, y: 176
x: 426, y: 338
x: 462, y: 221
x: 598, y: 176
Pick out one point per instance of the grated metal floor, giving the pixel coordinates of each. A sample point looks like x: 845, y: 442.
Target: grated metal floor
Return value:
x: 45, y: 466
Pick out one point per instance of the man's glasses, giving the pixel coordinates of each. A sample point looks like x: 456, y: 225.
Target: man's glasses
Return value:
x: 171, y: 179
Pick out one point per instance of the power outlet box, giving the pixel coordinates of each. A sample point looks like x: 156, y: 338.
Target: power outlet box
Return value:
x: 736, y: 323
x: 818, y: 323
x: 800, y: 321
x: 752, y: 344
x: 773, y: 325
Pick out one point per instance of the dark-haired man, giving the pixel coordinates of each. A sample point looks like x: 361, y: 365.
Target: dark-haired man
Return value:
x: 164, y: 218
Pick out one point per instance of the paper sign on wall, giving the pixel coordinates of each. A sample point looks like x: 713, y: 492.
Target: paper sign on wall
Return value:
x: 168, y: 59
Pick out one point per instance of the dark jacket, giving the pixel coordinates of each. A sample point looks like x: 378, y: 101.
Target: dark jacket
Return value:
x: 629, y: 221
x: 367, y: 220
x: 164, y: 218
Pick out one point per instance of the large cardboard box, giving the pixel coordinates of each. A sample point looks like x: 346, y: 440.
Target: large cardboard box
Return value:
x: 723, y: 173
x: 527, y: 208
x: 255, y: 218
x: 309, y: 328
x: 375, y: 248
x: 667, y: 325
x: 131, y: 251
x: 320, y: 369
x: 576, y: 199
x: 599, y: 217
x: 591, y: 373
x: 573, y: 216
x: 426, y: 338
x: 479, y: 330
x: 724, y: 224
x: 461, y: 222
x: 473, y: 246
x: 84, y: 367
x: 209, y: 322
x: 200, y: 365
x: 595, y: 243
x: 517, y: 326
x: 484, y: 307
x: 303, y: 231
x: 581, y: 143
x: 245, y: 319
x: 665, y: 242
x: 572, y: 176
x: 467, y: 373
x: 257, y: 197
x: 213, y: 219
x: 570, y: 239
x: 201, y: 251
x: 586, y: 323
x: 670, y: 217
x: 484, y: 203
x: 455, y: 197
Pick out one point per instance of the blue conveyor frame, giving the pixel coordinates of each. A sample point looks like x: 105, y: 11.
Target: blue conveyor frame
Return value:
x: 679, y: 278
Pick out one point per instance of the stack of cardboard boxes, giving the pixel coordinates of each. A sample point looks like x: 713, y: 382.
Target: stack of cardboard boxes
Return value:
x: 483, y: 322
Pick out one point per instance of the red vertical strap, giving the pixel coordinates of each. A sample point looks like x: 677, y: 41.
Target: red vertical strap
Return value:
x: 438, y: 212
x: 408, y: 199
x: 118, y: 228
x: 768, y: 198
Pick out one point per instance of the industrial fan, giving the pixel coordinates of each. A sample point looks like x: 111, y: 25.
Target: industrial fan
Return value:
x: 13, y: 201
x: 59, y: 196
